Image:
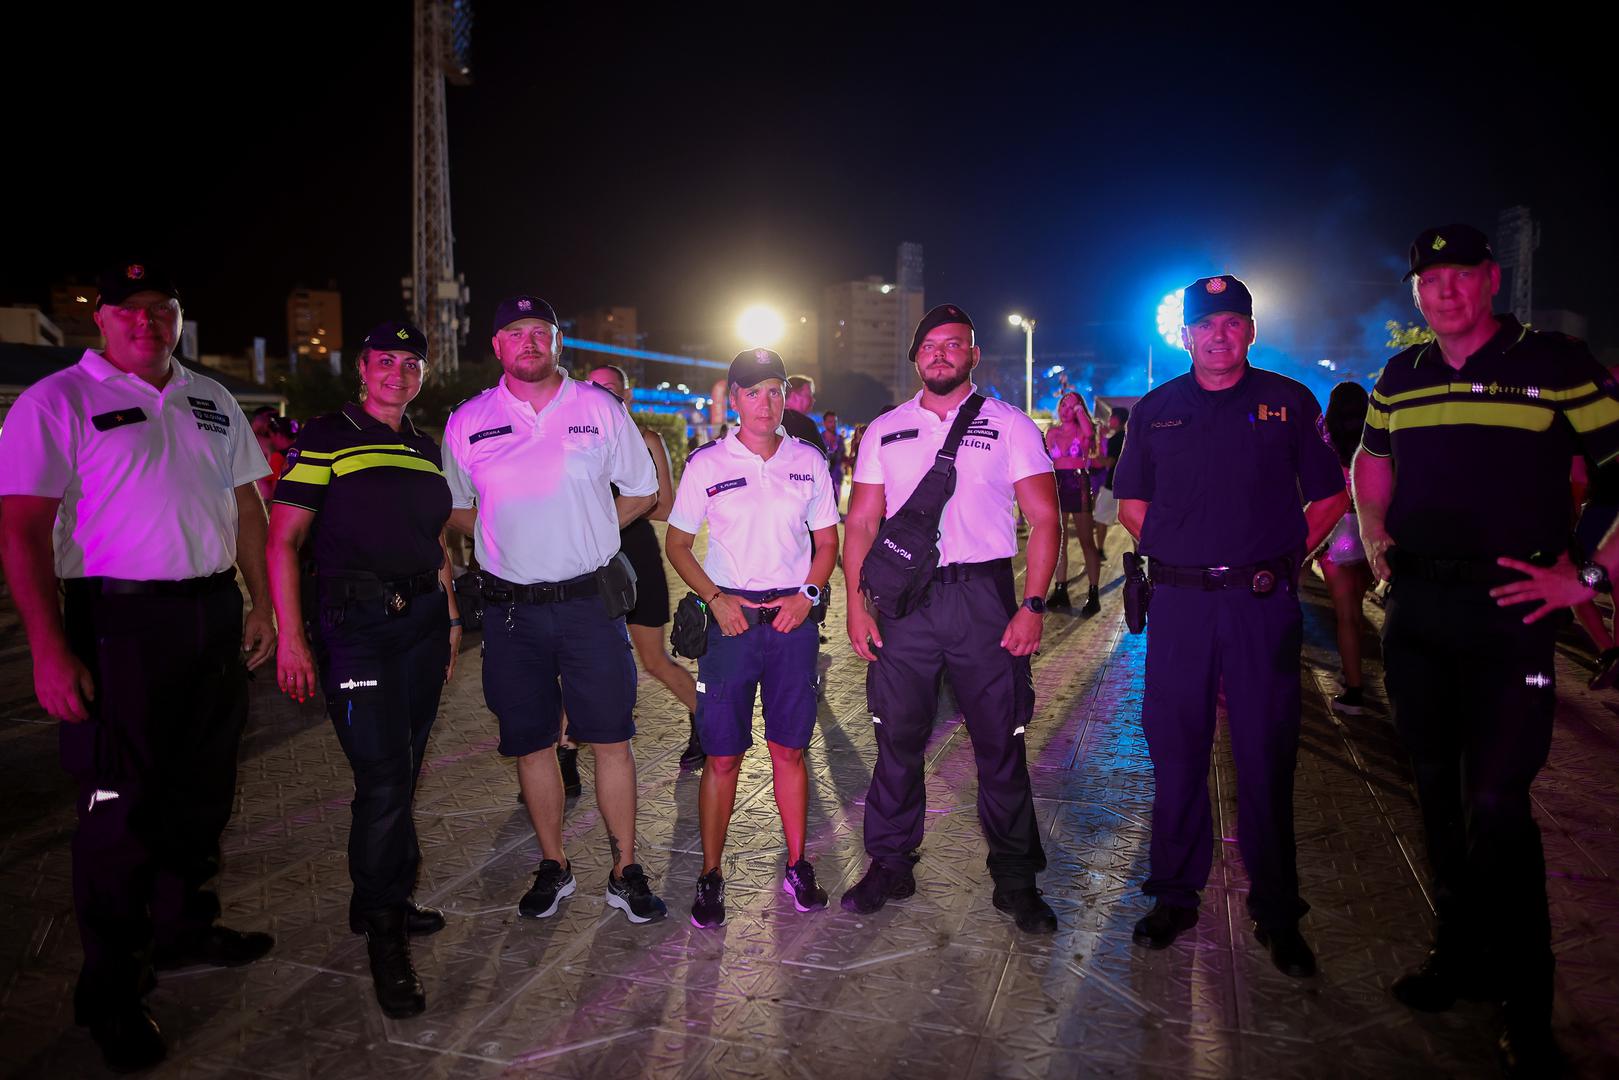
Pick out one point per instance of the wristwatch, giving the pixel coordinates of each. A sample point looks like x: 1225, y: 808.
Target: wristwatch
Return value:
x: 1594, y: 576
x: 814, y: 592
x: 1036, y: 604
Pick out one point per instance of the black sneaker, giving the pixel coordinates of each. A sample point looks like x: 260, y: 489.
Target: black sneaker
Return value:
x: 1159, y: 928
x: 1059, y: 596
x: 568, y: 760
x: 1350, y: 702
x: 217, y: 946
x: 552, y: 882
x: 1093, y: 604
x: 633, y: 896
x: 799, y: 883
x: 1031, y: 913
x: 128, y: 1037
x: 880, y: 885
x: 708, y: 908
x: 1607, y: 670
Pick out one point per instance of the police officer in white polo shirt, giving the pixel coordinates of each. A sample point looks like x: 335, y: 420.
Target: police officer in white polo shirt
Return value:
x: 530, y: 463
x: 970, y: 625
x: 131, y: 480
x: 764, y: 494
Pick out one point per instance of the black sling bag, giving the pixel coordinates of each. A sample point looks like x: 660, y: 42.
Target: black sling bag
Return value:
x: 899, y: 567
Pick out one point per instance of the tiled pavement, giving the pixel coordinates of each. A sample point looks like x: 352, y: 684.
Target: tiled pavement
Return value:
x: 939, y: 985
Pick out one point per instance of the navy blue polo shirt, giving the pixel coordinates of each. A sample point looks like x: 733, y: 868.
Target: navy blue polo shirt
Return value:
x: 1225, y: 473
x: 1481, y: 453
x: 379, y: 496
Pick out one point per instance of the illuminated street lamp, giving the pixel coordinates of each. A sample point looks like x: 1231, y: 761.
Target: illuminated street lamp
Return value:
x: 1170, y: 309
x: 1027, y: 326
x: 760, y: 325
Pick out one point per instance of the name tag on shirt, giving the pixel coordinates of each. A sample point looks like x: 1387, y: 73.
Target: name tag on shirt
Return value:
x: 727, y: 485
x: 202, y: 403
x: 976, y: 432
x: 488, y: 433
x: 109, y: 420
x: 900, y: 436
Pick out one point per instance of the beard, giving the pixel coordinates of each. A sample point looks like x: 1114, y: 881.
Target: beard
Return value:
x: 943, y: 384
x: 532, y: 369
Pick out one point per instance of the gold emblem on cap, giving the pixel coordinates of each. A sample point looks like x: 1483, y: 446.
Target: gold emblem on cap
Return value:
x: 135, y: 272
x: 1439, y: 243
x: 1215, y: 285
x: 402, y: 334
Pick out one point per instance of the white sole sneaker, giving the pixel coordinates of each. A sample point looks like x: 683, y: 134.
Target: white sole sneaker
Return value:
x: 562, y: 893
x: 615, y: 900
x: 787, y: 887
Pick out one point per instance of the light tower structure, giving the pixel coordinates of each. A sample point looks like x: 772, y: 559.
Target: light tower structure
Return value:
x: 435, y: 295
x: 909, y: 292
x: 1517, y: 235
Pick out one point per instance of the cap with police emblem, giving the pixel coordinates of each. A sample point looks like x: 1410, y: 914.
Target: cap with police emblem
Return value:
x: 1448, y: 245
x: 395, y: 336
x: 514, y: 308
x: 119, y: 284
x: 1205, y: 296
x: 943, y: 315
x: 753, y: 366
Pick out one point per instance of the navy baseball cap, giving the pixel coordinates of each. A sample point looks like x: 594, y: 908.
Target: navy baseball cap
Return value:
x: 753, y: 366
x: 943, y: 315
x: 1448, y: 245
x: 1205, y: 296
x: 394, y: 336
x: 116, y: 286
x: 514, y: 308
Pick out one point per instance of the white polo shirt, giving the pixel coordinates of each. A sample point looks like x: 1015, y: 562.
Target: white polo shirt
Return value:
x: 760, y: 513
x: 1001, y: 447
x: 147, y: 477
x: 540, y: 480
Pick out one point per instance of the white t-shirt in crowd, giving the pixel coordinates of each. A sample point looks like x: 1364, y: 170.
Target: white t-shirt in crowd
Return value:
x: 146, y: 477
x: 760, y: 512
x: 1001, y: 447
x: 540, y: 481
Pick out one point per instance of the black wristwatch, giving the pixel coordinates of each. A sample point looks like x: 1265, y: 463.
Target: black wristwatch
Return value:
x: 1594, y: 576
x: 1035, y: 604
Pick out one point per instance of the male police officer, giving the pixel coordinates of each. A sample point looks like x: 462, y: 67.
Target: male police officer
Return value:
x: 795, y: 419
x: 145, y: 472
x: 969, y: 626
x: 530, y: 463
x: 1209, y: 482
x: 1487, y: 410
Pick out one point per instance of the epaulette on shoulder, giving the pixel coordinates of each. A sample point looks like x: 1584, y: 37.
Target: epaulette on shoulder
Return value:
x: 700, y: 449
x: 474, y: 397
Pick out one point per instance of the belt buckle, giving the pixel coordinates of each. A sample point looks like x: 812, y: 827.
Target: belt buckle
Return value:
x: 1214, y: 577
x: 1264, y: 583
x: 395, y: 603
x: 767, y: 615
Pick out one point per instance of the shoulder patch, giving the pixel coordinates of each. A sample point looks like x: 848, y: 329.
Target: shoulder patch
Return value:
x: 815, y: 446
x: 700, y: 449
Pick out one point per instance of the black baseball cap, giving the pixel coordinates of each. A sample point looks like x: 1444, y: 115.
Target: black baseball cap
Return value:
x: 394, y: 336
x: 117, y: 285
x: 1205, y: 296
x: 751, y: 367
x: 943, y: 315
x: 1448, y: 245
x: 514, y: 308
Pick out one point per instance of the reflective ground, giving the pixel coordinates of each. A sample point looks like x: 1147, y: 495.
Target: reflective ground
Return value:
x: 938, y: 985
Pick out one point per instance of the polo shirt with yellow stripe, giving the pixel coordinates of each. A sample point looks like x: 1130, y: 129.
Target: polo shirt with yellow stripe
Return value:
x: 1481, y: 454
x: 379, y: 496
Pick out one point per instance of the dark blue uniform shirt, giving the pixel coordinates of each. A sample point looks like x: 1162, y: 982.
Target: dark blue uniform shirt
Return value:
x: 1226, y: 472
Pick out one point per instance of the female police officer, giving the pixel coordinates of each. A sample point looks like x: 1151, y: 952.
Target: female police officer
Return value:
x: 764, y: 495
x: 365, y: 489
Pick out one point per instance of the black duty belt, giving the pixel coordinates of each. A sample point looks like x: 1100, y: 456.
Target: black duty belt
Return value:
x: 1405, y: 563
x: 1260, y: 578
x: 499, y: 591
x: 968, y: 571
x: 111, y: 586
x: 342, y: 590
x: 757, y: 615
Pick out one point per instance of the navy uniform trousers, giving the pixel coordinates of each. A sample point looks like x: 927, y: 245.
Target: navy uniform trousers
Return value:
x: 956, y: 632
x: 382, y: 676
x: 1197, y: 642
x: 156, y: 771
x: 1473, y: 693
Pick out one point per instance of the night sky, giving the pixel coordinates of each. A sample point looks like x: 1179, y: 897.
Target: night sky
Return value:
x: 688, y: 165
